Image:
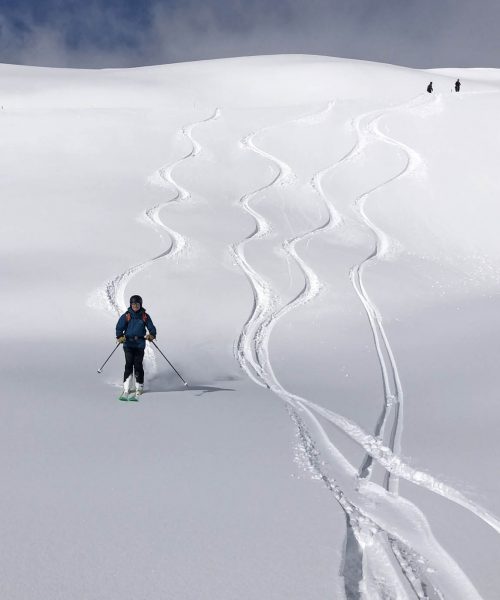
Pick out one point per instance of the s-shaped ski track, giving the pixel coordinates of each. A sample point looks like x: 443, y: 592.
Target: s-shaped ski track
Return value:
x: 114, y: 290
x: 388, y: 542
x: 366, y: 127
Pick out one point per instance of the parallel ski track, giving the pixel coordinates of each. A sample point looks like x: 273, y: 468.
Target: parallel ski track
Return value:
x: 114, y: 290
x: 354, y: 555
x: 265, y: 301
x: 252, y: 346
x: 252, y: 353
x: 367, y: 130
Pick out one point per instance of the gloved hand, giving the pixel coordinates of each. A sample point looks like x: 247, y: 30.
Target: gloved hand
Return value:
x: 150, y: 337
x: 121, y: 339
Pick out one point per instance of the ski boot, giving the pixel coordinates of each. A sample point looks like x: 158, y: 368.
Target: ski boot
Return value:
x: 139, y: 389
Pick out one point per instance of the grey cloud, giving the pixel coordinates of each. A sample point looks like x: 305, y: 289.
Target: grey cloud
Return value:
x: 422, y: 33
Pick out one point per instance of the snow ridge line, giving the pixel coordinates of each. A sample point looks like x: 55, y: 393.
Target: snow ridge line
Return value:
x: 114, y: 290
x: 360, y: 527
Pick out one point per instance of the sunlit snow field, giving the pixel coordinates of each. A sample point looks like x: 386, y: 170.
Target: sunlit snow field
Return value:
x: 316, y: 240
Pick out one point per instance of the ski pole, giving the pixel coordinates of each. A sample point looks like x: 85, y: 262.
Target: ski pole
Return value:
x: 184, y: 382
x: 100, y: 370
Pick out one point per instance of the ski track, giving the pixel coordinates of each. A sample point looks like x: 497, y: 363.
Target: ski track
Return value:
x: 393, y: 391
x: 392, y: 387
x: 114, y: 290
x: 380, y: 564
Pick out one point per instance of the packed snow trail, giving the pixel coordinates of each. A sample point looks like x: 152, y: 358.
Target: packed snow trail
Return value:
x: 385, y: 542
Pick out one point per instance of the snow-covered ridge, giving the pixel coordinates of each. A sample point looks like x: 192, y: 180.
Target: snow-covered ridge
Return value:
x: 303, y: 232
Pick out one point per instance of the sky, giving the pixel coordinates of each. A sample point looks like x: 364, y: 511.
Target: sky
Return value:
x: 129, y: 33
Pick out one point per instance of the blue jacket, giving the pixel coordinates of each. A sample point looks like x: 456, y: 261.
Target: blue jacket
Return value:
x: 135, y: 329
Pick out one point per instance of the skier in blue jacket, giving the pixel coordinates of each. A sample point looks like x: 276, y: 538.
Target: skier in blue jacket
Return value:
x: 131, y: 332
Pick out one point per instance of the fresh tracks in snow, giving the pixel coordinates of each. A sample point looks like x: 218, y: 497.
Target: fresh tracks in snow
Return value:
x: 366, y: 128
x: 164, y: 177
x: 113, y: 291
x: 381, y: 563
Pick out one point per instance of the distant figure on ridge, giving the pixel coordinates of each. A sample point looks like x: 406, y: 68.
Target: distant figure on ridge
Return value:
x: 429, y: 88
x: 131, y: 332
x: 457, y: 85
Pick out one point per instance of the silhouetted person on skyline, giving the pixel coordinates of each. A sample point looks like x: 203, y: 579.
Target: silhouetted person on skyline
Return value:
x: 429, y: 88
x: 457, y: 85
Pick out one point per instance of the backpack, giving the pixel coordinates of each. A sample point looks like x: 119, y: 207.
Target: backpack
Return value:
x: 128, y: 318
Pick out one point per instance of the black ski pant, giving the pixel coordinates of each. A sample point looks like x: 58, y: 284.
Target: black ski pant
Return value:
x: 133, y: 362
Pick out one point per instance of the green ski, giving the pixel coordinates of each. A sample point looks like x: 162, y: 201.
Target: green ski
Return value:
x: 124, y: 396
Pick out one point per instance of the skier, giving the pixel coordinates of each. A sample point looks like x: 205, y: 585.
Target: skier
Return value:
x: 457, y: 85
x: 131, y: 332
x: 429, y: 88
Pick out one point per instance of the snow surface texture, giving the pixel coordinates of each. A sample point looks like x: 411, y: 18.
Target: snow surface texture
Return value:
x: 316, y: 241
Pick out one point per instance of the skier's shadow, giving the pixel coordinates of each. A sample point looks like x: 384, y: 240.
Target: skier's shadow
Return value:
x: 203, y: 389
x: 207, y: 389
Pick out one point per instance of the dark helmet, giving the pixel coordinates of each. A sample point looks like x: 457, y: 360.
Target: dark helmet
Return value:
x: 135, y: 299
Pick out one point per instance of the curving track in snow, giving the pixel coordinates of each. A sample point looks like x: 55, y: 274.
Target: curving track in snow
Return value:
x: 164, y: 177
x: 387, y: 554
x: 252, y: 352
x: 367, y: 130
x: 113, y: 291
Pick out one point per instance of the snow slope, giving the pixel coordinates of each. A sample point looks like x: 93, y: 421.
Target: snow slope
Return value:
x: 316, y: 241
